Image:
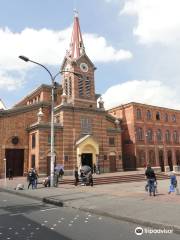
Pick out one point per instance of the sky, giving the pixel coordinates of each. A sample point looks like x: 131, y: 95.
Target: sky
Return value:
x: 135, y: 45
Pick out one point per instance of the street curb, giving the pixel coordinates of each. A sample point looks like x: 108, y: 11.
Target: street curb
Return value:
x: 53, y: 202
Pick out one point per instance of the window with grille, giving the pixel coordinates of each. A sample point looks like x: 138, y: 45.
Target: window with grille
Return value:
x: 159, y: 135
x: 166, y: 117
x: 174, y: 118
x: 158, y: 116
x: 138, y: 114
x: 175, y: 137
x: 149, y: 116
x: 168, y: 136
x: 70, y: 86
x: 80, y: 86
x: 149, y: 135
x: 86, y: 126
x: 88, y: 87
x: 139, y: 134
x: 66, y: 86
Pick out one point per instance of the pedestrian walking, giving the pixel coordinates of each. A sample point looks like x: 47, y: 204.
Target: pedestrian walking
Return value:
x: 35, y: 178
x: 151, y: 179
x: 56, y: 178
x: 76, y: 176
x: 31, y: 178
x: 173, y: 183
x: 10, y: 174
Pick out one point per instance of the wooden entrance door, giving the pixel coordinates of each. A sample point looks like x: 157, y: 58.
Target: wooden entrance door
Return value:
x: 86, y: 159
x: 15, y: 161
x: 112, y: 163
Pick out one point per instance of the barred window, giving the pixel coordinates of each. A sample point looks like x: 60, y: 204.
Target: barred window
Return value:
x: 174, y: 118
x: 167, y: 136
x: 86, y: 126
x: 88, y: 87
x: 149, y: 115
x: 158, y: 116
x: 138, y: 114
x: 80, y: 86
x: 139, y: 134
x: 149, y: 135
x: 70, y: 86
x: 159, y: 135
x: 166, y: 118
x: 175, y: 137
x: 66, y: 86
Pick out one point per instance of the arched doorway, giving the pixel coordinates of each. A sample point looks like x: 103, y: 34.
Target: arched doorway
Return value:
x: 112, y: 162
x: 151, y: 159
x: 161, y: 160
x: 169, y: 156
x: 141, y: 158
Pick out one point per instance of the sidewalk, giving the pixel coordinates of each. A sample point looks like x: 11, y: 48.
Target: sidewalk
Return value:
x: 124, y: 201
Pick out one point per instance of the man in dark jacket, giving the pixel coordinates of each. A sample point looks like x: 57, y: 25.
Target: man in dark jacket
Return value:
x: 151, y: 178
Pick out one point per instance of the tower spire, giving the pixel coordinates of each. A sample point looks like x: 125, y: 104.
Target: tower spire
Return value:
x: 76, y: 45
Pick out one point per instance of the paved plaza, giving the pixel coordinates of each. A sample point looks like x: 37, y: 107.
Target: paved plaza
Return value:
x: 123, y: 201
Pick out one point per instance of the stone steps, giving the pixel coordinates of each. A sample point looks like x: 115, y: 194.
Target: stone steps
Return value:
x: 117, y: 179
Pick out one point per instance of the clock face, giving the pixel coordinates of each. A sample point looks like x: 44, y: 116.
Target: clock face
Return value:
x: 84, y: 67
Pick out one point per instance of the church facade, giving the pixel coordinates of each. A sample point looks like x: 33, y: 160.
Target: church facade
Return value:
x: 85, y: 134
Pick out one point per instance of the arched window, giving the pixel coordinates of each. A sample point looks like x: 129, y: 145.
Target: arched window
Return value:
x: 159, y: 135
x: 139, y: 134
x: 174, y: 118
x: 168, y: 136
x: 149, y: 115
x: 138, y: 114
x: 175, y: 137
x: 151, y: 159
x: 149, y: 135
x: 166, y: 118
x: 158, y: 116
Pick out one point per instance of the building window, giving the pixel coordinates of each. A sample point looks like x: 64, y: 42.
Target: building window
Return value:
x: 86, y: 126
x: 152, y: 161
x: 149, y: 135
x: 167, y: 136
x: 159, y: 135
x: 80, y: 86
x: 49, y: 139
x: 138, y: 114
x: 174, y: 118
x: 70, y: 86
x: 66, y: 87
x: 139, y: 134
x: 66, y: 158
x: 33, y: 140
x: 88, y: 87
x: 141, y: 159
x: 111, y: 141
x: 57, y: 119
x: 166, y: 118
x: 33, y: 161
x: 158, y: 116
x: 149, y: 115
x: 175, y: 137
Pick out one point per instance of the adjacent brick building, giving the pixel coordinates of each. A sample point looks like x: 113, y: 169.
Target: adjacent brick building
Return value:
x: 85, y: 134
x: 150, y: 134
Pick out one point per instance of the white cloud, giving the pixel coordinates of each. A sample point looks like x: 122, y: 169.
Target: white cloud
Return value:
x: 158, y: 20
x: 47, y: 47
x: 148, y: 92
x: 7, y: 82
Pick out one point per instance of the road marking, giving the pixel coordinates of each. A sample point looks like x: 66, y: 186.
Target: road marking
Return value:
x: 48, y: 209
x: 16, y: 214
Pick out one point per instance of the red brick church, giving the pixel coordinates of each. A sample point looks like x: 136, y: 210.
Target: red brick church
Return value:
x: 85, y: 134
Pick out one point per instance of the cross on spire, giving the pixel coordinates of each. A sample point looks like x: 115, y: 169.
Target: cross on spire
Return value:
x: 76, y: 45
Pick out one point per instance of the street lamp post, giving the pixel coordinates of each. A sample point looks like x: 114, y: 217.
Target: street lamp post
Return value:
x: 5, y: 171
x: 26, y: 59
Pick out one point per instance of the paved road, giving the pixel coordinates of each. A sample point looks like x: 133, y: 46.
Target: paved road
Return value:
x: 25, y: 219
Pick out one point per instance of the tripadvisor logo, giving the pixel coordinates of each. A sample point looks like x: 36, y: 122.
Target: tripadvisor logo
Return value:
x: 139, y: 231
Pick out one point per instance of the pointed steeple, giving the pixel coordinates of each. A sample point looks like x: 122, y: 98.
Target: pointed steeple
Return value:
x: 76, y: 45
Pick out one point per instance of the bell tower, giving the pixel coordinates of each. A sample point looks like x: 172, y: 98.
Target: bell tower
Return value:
x: 78, y: 83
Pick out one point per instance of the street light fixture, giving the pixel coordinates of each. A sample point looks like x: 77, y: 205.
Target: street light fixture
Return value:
x: 26, y: 59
